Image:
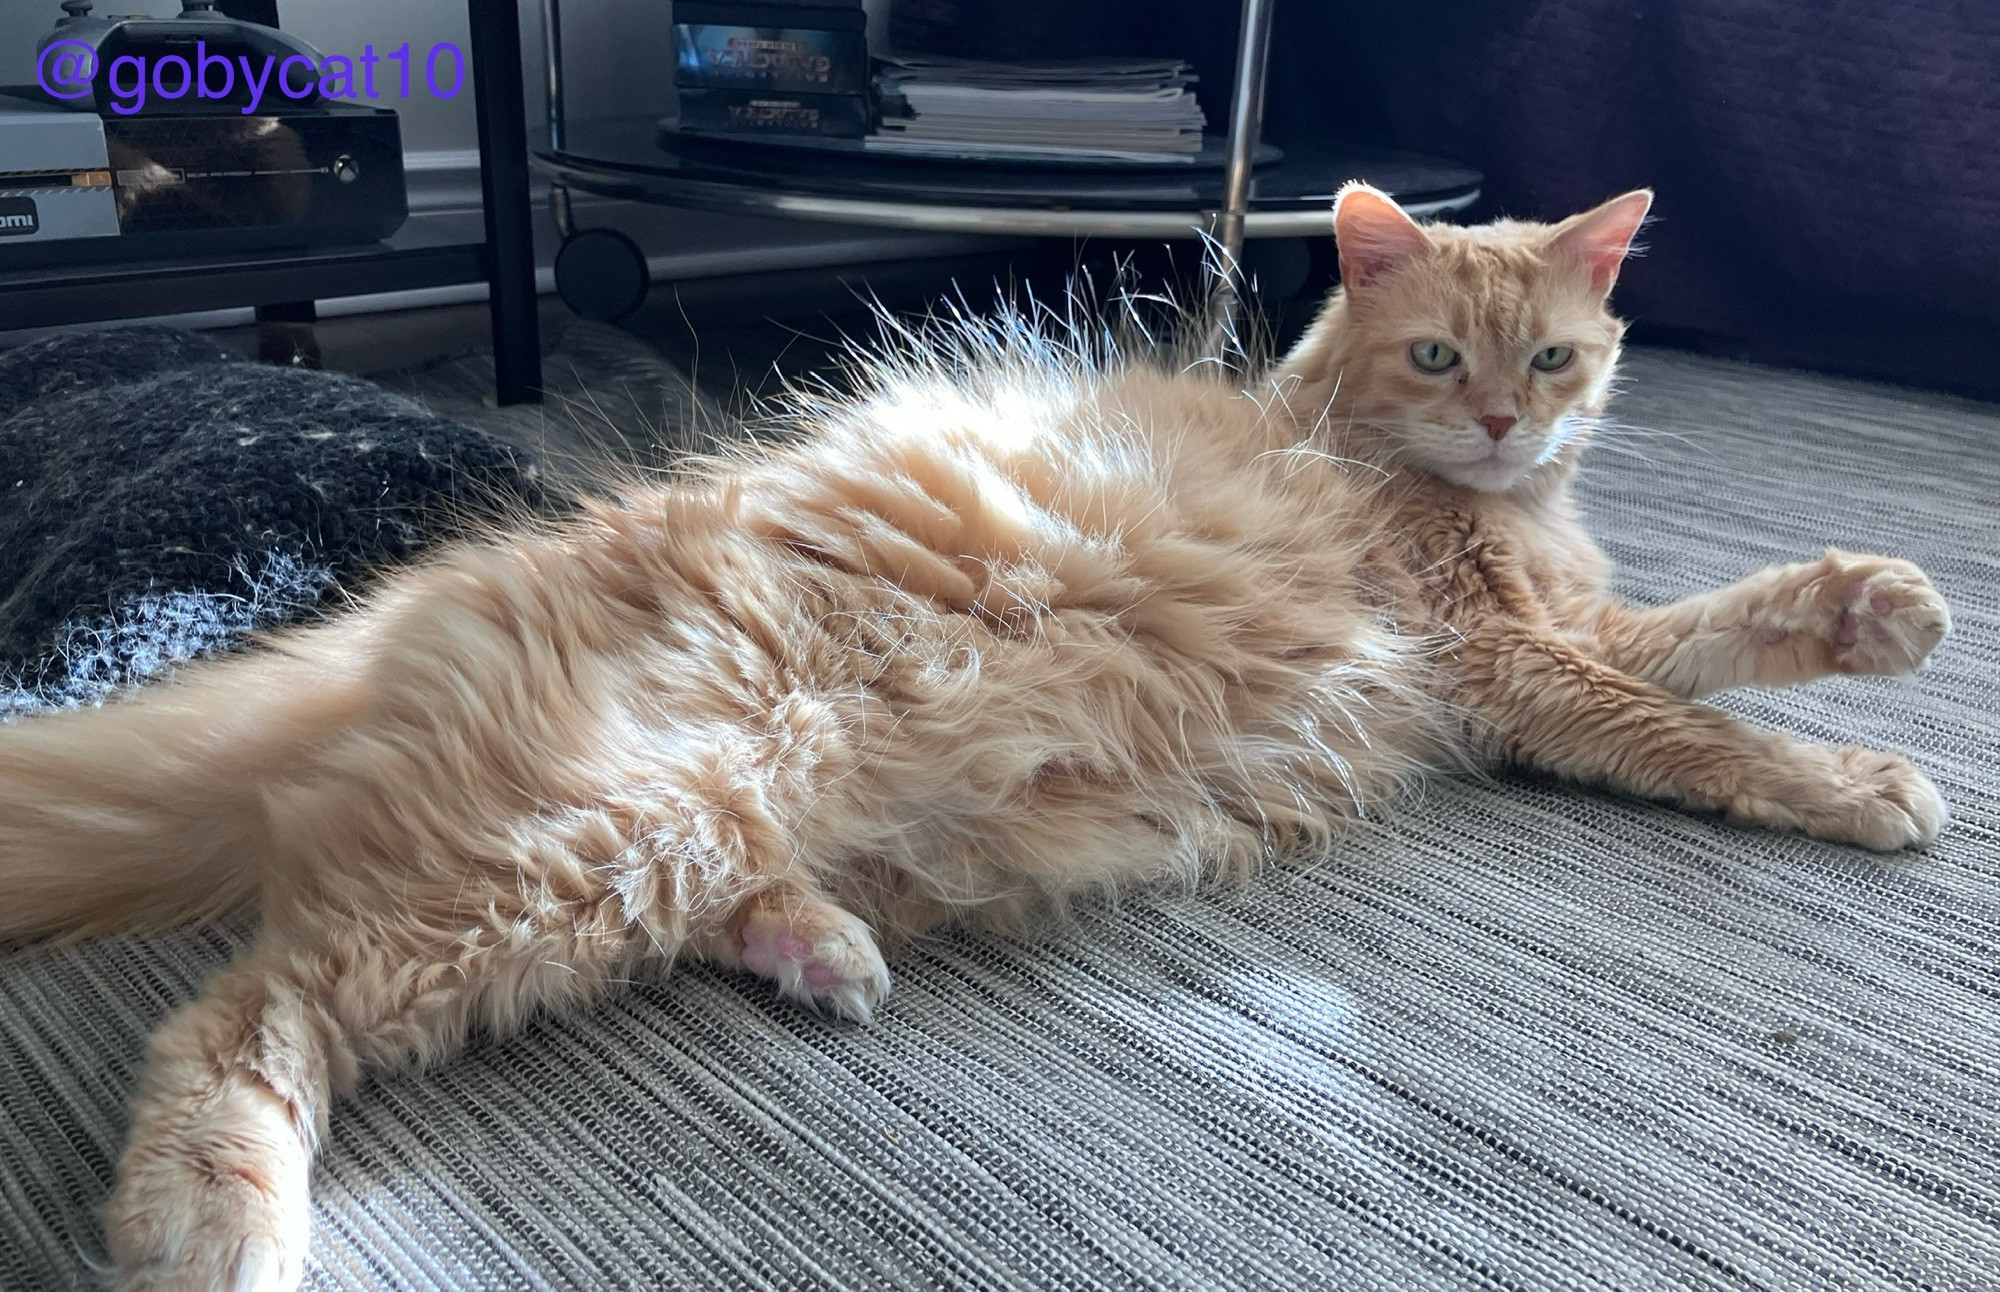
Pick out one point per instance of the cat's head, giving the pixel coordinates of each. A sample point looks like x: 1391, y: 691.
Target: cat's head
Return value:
x: 1476, y: 353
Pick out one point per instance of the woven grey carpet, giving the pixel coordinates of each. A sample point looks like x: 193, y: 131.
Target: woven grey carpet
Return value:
x: 1524, y: 1038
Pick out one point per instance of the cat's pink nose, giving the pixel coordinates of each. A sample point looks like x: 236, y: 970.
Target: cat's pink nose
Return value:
x: 1497, y: 425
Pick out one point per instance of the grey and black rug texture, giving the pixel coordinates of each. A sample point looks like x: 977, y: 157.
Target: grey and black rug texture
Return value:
x: 1522, y: 1036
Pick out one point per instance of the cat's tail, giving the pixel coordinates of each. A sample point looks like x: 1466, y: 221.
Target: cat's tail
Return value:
x: 149, y: 812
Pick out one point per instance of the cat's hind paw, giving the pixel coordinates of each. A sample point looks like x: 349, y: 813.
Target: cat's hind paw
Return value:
x: 218, y: 1201
x: 816, y: 953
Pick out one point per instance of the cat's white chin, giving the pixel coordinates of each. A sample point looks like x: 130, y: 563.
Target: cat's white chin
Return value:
x: 1494, y: 474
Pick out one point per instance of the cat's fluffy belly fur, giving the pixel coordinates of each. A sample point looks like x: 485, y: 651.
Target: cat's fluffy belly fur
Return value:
x: 962, y: 658
x: 1012, y: 627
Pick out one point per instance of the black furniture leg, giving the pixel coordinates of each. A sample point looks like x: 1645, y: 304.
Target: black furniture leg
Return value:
x: 285, y: 334
x: 261, y: 11
x: 503, y: 180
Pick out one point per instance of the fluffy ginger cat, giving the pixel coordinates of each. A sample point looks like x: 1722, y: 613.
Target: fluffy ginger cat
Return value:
x: 1015, y: 624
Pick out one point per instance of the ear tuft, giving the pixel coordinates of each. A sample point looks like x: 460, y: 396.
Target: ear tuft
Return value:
x: 1373, y: 234
x: 1600, y: 238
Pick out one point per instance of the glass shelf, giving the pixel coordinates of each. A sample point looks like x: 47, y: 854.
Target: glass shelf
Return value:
x: 636, y: 159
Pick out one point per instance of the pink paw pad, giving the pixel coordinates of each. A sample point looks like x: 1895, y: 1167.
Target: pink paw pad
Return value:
x: 1890, y: 618
x: 834, y: 966
x: 771, y: 953
x: 1847, y: 628
x: 766, y: 951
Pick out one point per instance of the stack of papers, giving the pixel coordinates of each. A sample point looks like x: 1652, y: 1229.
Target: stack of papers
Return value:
x: 1076, y: 109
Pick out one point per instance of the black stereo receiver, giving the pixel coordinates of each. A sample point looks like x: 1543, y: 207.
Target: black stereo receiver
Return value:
x: 79, y: 186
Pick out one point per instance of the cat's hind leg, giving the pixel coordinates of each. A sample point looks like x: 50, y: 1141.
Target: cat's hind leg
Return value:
x: 213, y: 1188
x: 1844, y: 613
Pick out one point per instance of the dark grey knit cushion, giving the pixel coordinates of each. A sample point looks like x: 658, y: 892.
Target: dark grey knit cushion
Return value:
x: 160, y: 496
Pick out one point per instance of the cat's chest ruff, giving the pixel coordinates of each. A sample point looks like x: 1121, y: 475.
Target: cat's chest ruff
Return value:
x: 1470, y: 568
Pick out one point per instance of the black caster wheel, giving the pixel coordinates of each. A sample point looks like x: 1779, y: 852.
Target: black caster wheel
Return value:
x: 601, y: 274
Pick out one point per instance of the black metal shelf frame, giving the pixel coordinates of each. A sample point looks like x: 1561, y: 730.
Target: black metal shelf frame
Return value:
x: 283, y: 284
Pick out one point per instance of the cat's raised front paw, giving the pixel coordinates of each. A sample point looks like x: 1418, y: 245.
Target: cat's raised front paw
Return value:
x: 1885, y: 803
x: 1889, y: 619
x: 817, y: 954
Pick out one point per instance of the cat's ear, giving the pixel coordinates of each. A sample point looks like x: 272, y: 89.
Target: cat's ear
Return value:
x: 1373, y: 234
x: 1599, y: 239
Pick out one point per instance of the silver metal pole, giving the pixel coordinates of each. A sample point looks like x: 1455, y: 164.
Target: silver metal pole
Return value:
x: 552, y: 71
x: 561, y: 213
x: 1246, y: 122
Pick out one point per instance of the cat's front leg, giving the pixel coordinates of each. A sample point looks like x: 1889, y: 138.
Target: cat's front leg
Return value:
x: 1844, y: 613
x: 1554, y: 707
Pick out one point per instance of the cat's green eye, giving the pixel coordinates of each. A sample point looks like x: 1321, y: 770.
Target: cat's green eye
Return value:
x: 1432, y: 356
x: 1552, y: 358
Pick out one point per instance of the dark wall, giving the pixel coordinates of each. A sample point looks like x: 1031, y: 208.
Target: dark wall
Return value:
x: 1828, y: 171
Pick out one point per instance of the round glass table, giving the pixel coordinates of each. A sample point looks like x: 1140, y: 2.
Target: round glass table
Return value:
x: 638, y: 159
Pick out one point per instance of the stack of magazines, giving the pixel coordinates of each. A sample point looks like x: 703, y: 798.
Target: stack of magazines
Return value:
x: 1138, y: 110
